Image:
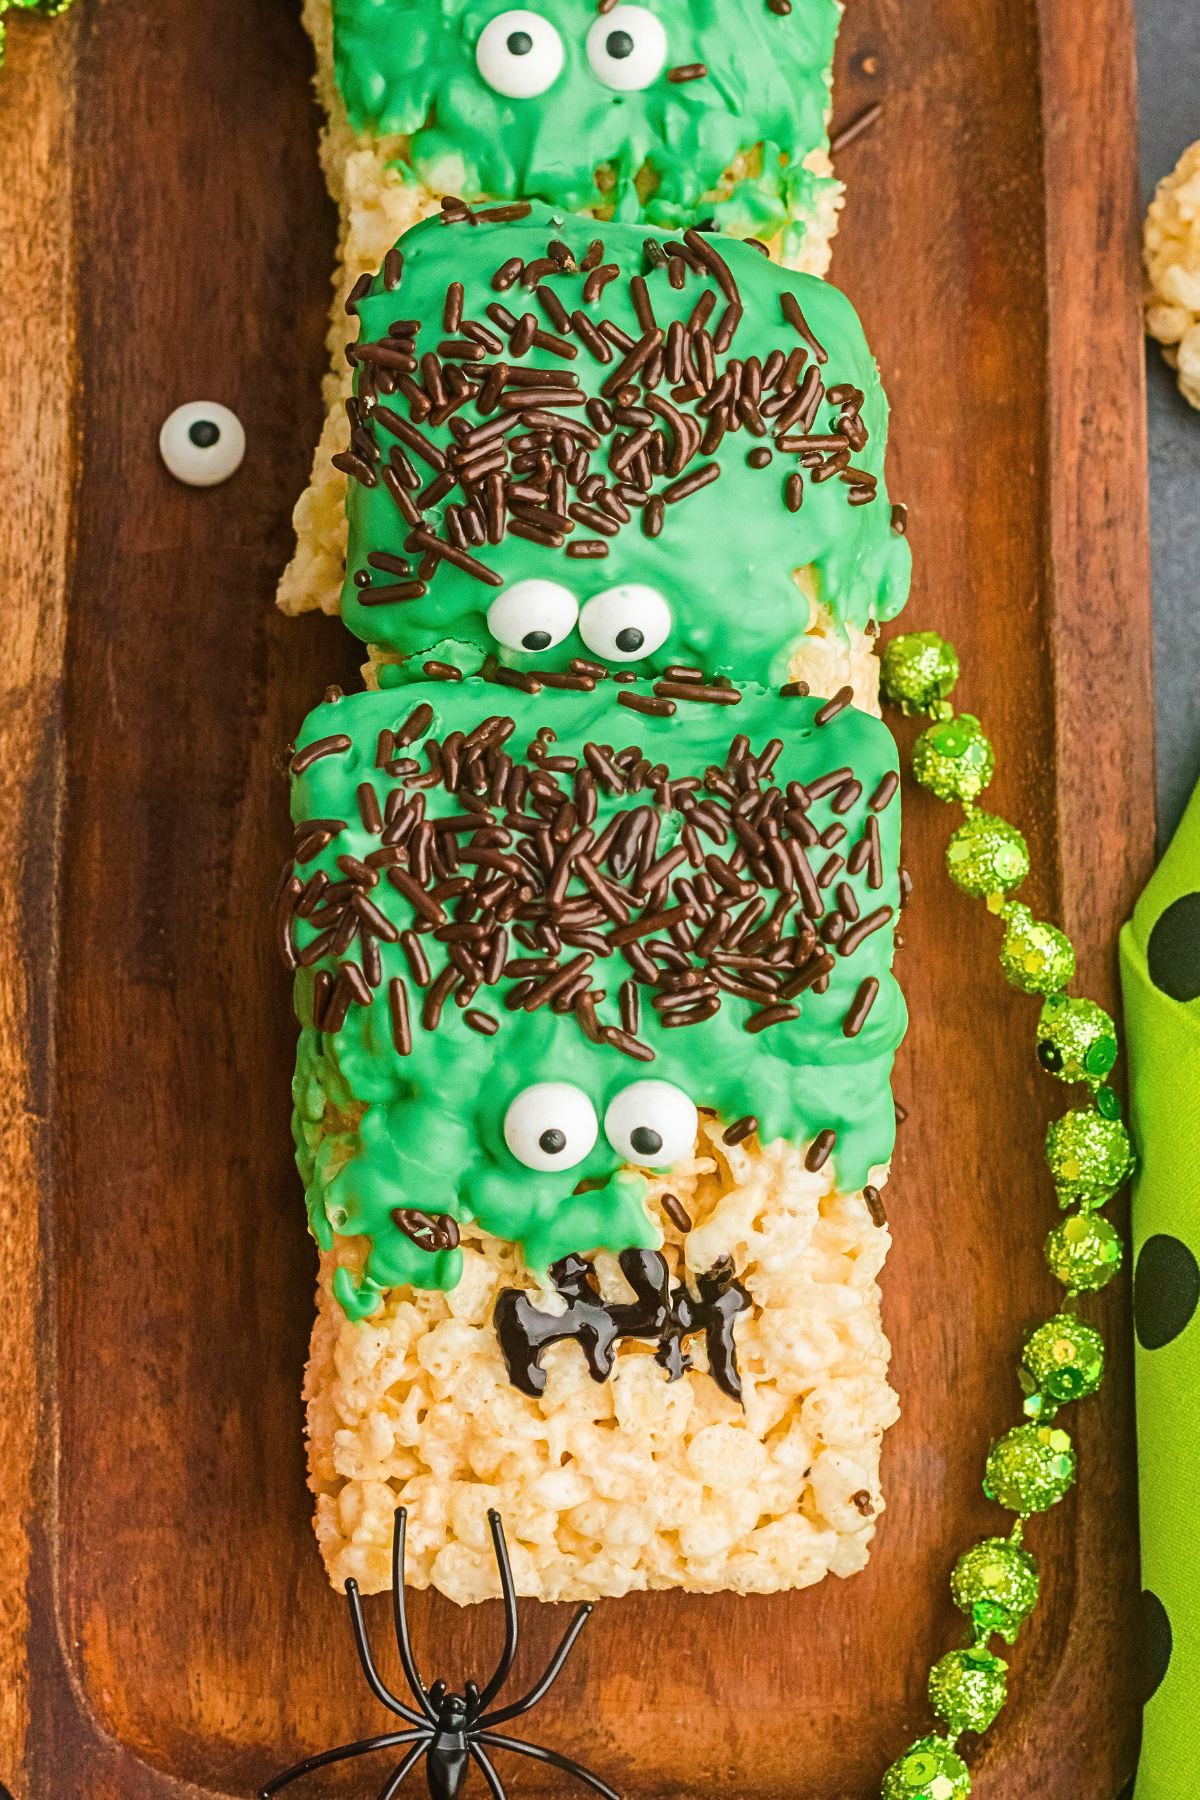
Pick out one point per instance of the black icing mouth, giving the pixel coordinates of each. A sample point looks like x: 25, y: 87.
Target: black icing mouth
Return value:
x: 659, y: 1311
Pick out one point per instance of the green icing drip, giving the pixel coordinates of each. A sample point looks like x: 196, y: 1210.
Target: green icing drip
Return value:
x: 660, y: 154
x: 375, y: 1130
x: 726, y: 558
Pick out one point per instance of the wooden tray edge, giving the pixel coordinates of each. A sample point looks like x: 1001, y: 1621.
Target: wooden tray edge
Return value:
x: 1094, y: 546
x: 38, y: 440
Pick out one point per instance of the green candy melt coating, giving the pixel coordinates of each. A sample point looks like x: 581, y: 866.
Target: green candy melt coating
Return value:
x: 931, y: 1769
x: 968, y: 1688
x: 1035, y: 957
x: 996, y: 1584
x: 376, y: 1130
x: 1030, y: 1468
x: 1077, y: 1040
x: 953, y: 758
x: 1090, y: 1157
x: 661, y: 153
x: 727, y: 559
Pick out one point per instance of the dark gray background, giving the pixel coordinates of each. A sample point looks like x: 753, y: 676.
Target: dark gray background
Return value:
x: 1169, y: 63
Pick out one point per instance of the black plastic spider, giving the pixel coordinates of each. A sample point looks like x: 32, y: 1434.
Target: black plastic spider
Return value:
x: 451, y: 1730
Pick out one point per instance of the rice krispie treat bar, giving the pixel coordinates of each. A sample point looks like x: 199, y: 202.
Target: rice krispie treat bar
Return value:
x: 611, y: 443
x: 1172, y: 259
x: 680, y: 112
x: 592, y: 1108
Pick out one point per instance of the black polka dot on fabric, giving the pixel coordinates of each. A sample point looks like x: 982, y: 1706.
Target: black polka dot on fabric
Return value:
x: 1173, y: 953
x: 1157, y: 1644
x: 1166, y: 1289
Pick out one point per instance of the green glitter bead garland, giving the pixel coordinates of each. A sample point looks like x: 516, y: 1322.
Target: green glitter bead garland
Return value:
x: 953, y: 759
x: 45, y: 9
x: 1037, y: 958
x: 996, y: 1584
x: 931, y: 1770
x: 1089, y: 1154
x: 968, y: 1688
x: 1063, y: 1360
x: 1029, y: 1469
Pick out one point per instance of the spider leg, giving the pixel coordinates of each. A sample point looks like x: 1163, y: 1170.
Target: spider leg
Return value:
x: 488, y: 1771
x: 551, y: 1675
x: 541, y: 1754
x: 509, y: 1591
x: 400, y: 1615
x: 342, y: 1754
x: 374, y: 1680
x: 392, y: 1785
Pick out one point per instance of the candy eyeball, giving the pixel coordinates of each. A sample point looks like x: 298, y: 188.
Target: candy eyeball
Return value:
x: 533, y: 615
x: 651, y: 1123
x: 627, y: 48
x: 551, y: 1125
x: 519, y: 54
x: 202, y: 443
x: 625, y: 623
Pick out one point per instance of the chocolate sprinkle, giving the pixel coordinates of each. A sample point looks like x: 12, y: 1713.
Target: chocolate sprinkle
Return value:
x: 428, y: 1231
x: 326, y: 746
x: 820, y: 1150
x: 875, y: 1206
x: 676, y: 1212
x: 840, y: 701
x: 860, y: 1007
x: 855, y: 127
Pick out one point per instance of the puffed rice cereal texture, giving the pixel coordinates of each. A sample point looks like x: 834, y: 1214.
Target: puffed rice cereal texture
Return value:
x: 376, y: 206
x: 637, y: 1482
x: 1172, y: 260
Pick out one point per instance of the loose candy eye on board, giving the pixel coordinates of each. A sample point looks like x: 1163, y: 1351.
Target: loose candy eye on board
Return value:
x: 202, y: 443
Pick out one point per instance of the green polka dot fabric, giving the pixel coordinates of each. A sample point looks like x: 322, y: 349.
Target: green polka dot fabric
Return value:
x: 1160, y: 971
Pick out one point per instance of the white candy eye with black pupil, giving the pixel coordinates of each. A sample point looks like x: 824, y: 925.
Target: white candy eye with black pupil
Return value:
x: 519, y: 54
x: 202, y: 443
x: 533, y: 615
x: 651, y: 1123
x: 627, y: 48
x: 551, y: 1125
x: 625, y: 623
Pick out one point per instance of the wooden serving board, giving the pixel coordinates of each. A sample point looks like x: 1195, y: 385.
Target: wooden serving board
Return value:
x: 165, y: 1629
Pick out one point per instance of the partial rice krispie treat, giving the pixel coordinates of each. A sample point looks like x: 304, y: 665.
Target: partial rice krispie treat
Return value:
x: 605, y: 442
x: 637, y: 134
x: 1172, y: 258
x: 592, y: 1109
x: 608, y: 1487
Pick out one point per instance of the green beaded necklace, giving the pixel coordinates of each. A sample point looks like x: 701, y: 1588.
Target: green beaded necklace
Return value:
x: 1030, y: 1468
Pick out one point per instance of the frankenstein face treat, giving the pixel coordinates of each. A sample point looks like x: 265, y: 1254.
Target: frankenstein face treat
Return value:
x: 604, y: 442
x: 669, y: 113
x: 592, y: 1107
x: 679, y: 112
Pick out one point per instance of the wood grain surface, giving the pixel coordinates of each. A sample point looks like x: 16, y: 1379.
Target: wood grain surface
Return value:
x: 165, y: 1630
